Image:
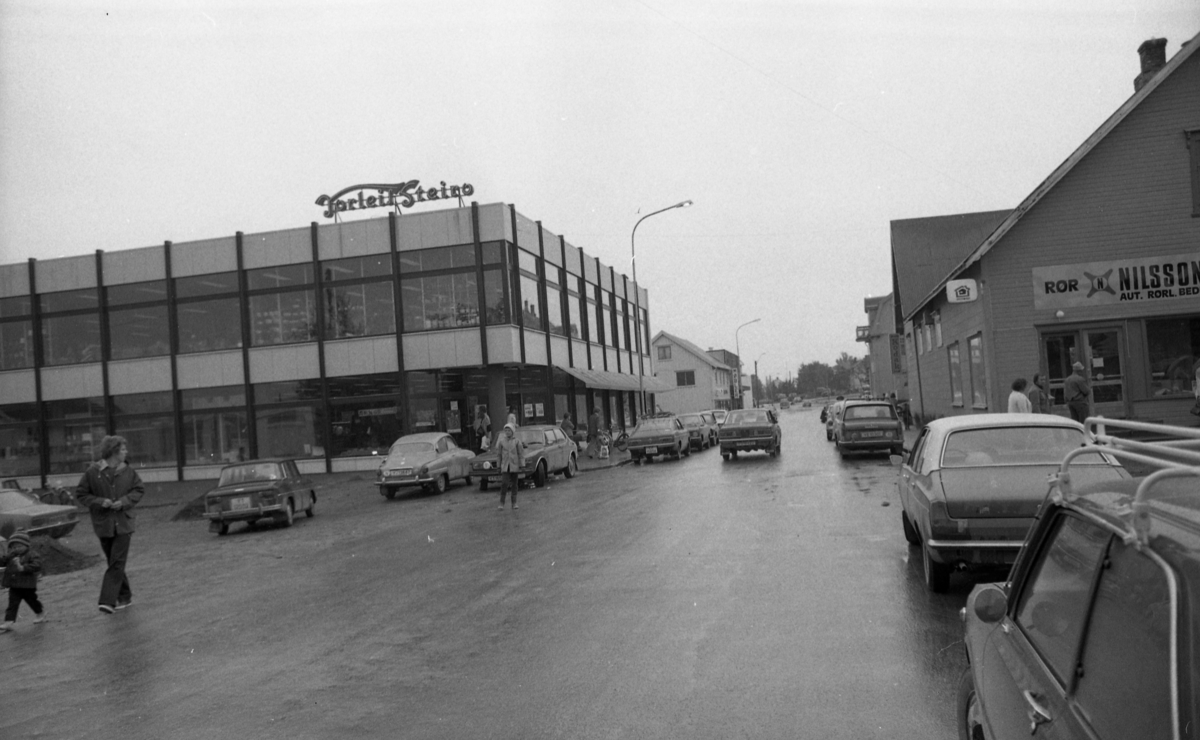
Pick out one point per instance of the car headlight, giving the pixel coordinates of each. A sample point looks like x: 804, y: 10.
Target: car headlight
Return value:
x: 423, y: 471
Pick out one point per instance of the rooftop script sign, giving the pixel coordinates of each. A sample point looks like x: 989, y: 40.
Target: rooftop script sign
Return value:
x: 387, y: 195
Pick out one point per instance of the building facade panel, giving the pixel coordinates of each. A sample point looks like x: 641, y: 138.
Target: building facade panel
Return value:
x: 204, y: 257
x: 139, y: 376
x: 14, y: 280
x: 18, y: 386
x: 434, y: 229
x: 274, y: 248
x: 560, y: 353
x: 353, y: 239
x: 365, y: 356
x: 135, y: 265
x: 289, y: 362
x: 494, y: 223
x: 72, y: 381
x: 209, y: 370
x: 504, y: 345
x: 66, y: 273
x: 535, y: 348
x: 467, y: 350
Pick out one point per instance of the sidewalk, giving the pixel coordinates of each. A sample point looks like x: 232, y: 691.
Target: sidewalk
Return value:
x: 615, y: 457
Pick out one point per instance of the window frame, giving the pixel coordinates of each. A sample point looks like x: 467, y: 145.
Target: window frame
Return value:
x: 954, y: 366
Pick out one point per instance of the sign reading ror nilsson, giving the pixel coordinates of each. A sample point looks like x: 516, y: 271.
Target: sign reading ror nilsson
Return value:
x: 1118, y: 281
x: 399, y: 194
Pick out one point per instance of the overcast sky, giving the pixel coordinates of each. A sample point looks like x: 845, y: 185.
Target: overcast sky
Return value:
x: 800, y: 129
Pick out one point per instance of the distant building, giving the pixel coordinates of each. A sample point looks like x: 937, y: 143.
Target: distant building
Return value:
x: 1099, y: 265
x: 886, y: 364
x: 700, y: 381
x: 730, y: 360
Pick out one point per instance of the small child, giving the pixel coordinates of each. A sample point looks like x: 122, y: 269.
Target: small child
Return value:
x: 21, y: 568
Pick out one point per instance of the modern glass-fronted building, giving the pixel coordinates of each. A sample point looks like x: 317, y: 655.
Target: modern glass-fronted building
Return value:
x: 324, y: 343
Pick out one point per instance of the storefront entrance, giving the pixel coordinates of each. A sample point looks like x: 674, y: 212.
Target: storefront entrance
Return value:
x: 1101, y: 350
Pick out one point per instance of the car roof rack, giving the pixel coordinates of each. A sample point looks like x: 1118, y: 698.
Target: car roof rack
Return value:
x: 1173, y: 450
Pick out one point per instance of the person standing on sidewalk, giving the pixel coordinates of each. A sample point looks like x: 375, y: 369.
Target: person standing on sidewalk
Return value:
x: 568, y: 426
x: 1018, y: 402
x: 1037, y: 396
x: 593, y: 432
x: 1077, y: 392
x: 110, y: 489
x: 22, y: 565
x: 511, y: 457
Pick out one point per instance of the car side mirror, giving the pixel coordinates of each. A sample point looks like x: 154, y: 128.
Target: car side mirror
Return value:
x: 990, y: 604
x: 896, y: 460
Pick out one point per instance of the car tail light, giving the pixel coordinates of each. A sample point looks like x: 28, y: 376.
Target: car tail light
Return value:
x: 941, y: 526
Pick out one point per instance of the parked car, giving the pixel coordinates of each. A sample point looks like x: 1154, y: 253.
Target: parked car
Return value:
x: 548, y: 451
x: 718, y: 415
x: 971, y: 485
x: 702, y: 429
x: 868, y: 426
x: 258, y: 489
x: 21, y: 510
x: 1094, y: 634
x: 750, y: 429
x: 658, y: 435
x: 830, y: 417
x: 428, y: 460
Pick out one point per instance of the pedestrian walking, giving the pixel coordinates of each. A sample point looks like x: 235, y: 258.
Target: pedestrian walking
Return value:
x: 511, y: 458
x: 1038, y: 398
x: 1018, y: 402
x: 22, y: 566
x: 110, y: 489
x: 568, y: 426
x: 593, y: 433
x: 1078, y: 393
x: 483, y: 426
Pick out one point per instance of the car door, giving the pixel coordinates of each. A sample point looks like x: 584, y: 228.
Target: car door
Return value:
x: 442, y: 461
x: 1030, y: 662
x: 299, y: 484
x: 457, y: 464
x: 910, y: 472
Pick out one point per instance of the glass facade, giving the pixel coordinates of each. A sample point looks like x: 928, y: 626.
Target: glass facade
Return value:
x: 462, y: 286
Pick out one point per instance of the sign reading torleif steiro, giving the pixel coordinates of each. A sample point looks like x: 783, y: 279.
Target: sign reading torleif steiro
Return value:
x: 1118, y: 281
x: 398, y: 195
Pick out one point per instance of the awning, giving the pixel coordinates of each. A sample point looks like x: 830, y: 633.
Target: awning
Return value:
x: 604, y: 380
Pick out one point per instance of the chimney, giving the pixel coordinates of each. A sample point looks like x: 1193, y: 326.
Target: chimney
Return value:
x: 1154, y: 57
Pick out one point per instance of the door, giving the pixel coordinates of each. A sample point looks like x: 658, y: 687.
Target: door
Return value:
x: 1106, y: 368
x: 1060, y: 352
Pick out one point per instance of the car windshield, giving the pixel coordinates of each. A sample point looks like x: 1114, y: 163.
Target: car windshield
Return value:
x: 691, y: 420
x: 16, y: 500
x: 654, y: 425
x: 411, y: 448
x: 531, y: 437
x: 748, y: 416
x: 873, y: 411
x: 249, y: 473
x: 1013, y: 446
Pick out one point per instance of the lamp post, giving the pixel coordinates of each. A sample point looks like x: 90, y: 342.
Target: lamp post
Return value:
x: 738, y: 347
x: 633, y: 255
x: 764, y: 387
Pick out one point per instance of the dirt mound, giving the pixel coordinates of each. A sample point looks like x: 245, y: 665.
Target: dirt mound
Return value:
x: 191, y: 511
x: 58, y: 558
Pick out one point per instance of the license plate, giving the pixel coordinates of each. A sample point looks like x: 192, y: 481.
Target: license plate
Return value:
x: 873, y: 434
x: 398, y: 473
x: 239, y: 504
x: 748, y: 443
x: 651, y: 450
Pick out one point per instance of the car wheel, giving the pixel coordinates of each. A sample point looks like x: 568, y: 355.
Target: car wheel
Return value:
x: 223, y: 529
x: 572, y: 467
x: 389, y: 493
x: 970, y: 717
x: 440, y: 483
x: 312, y: 505
x: 733, y: 454
x: 483, y: 483
x: 539, y: 476
x: 289, y: 513
x: 687, y: 452
x: 910, y: 532
x: 468, y: 480
x: 725, y: 456
x: 937, y: 575
x: 828, y: 436
x: 841, y: 450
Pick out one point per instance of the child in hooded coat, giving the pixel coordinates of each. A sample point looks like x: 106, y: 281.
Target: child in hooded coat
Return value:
x: 22, y: 565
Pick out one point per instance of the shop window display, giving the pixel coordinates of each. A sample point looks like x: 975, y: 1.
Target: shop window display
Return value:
x: 282, y: 318
x: 19, y: 443
x: 206, y: 326
x: 290, y: 432
x: 1174, y: 353
x: 359, y: 310
x: 16, y: 344
x: 215, y: 428
x: 440, y: 302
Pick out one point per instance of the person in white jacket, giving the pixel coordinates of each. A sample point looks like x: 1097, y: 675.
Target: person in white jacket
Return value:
x: 1018, y: 402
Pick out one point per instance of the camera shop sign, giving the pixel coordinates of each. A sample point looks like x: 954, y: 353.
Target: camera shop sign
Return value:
x: 397, y: 195
x: 1117, y: 281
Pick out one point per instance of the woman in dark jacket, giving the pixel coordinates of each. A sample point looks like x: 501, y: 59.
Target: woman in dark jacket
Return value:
x: 110, y: 489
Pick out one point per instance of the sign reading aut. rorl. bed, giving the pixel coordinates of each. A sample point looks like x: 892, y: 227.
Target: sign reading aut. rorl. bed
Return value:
x: 1172, y: 278
x: 397, y: 194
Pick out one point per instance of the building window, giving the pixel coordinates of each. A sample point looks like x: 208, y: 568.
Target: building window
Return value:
x: 71, y: 326
x: 574, y: 322
x: 16, y: 333
x: 956, y: 380
x: 210, y: 325
x: 554, y: 310
x: 440, y: 302
x: 283, y: 318
x: 664, y: 353
x: 493, y: 295
x: 1193, y: 144
x: 359, y: 310
x: 685, y: 378
x: 147, y: 421
x: 937, y: 328
x: 214, y: 425
x: 20, y: 445
x: 978, y: 378
x: 295, y: 430
x: 138, y: 332
x: 74, y: 427
x: 1174, y: 349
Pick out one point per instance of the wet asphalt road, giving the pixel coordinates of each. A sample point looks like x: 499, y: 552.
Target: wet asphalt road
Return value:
x: 761, y: 598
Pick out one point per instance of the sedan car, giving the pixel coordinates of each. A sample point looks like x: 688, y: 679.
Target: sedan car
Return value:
x: 658, y: 435
x: 868, y: 426
x: 972, y: 484
x: 1094, y: 633
x: 21, y: 510
x: 429, y: 460
x: 750, y: 429
x: 718, y: 415
x: 548, y: 451
x: 258, y: 489
x: 702, y: 429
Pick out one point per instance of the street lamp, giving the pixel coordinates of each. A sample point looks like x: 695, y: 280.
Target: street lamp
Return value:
x: 738, y: 346
x: 760, y: 383
x: 633, y: 254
